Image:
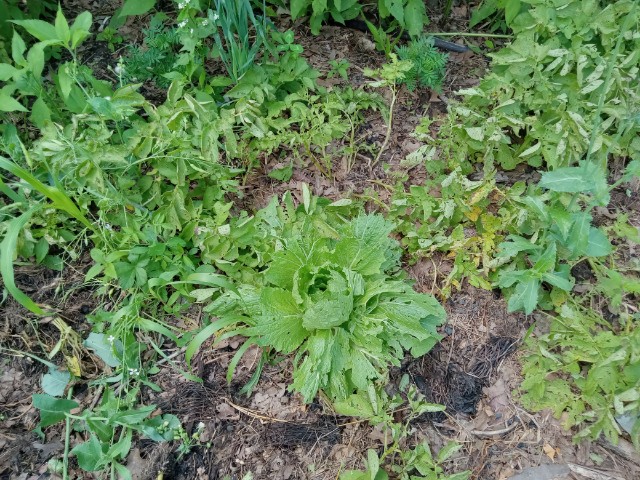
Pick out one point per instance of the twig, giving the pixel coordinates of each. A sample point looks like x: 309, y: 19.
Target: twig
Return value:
x: 254, y: 414
x: 493, y: 433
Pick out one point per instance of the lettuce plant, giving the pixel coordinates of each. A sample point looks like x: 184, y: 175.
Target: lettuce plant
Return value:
x: 334, y: 298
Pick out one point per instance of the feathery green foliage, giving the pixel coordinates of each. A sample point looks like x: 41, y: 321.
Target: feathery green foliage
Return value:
x: 428, y: 64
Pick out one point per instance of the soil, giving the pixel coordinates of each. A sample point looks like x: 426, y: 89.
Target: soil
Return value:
x: 474, y: 371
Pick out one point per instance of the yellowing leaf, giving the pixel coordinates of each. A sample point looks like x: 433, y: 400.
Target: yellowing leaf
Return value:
x: 73, y: 364
x: 474, y: 213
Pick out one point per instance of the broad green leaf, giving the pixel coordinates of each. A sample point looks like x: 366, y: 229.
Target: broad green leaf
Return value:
x: 9, y: 104
x: 328, y: 312
x: 35, y: 58
x: 64, y: 80
x: 90, y: 455
x: 598, y: 245
x: 511, y: 10
x: 284, y: 333
x: 515, y: 245
x: 40, y: 113
x: 52, y: 410
x: 299, y: 8
x: 120, y: 449
x: 525, y: 295
x: 558, y: 281
x: 476, y: 133
x: 578, y: 240
x: 415, y: 16
x: 396, y: 9
x: 100, y: 344
x: 8, y: 248
x: 18, y: 47
x: 136, y: 7
x: 373, y: 462
x: 448, y: 450
x: 132, y: 417
x: 7, y: 71
x: 55, y: 382
x: 568, y: 179
x: 547, y: 261
x: 43, y: 31
x: 81, y: 28
x: 62, y: 27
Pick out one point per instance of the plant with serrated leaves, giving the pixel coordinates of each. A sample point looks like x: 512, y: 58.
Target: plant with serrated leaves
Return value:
x: 428, y: 64
x: 404, y: 462
x: 565, y: 87
x: 109, y: 427
x: 586, y: 370
x: 155, y: 56
x: 332, y: 295
x: 557, y: 231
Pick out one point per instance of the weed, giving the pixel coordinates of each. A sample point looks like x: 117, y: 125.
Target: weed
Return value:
x: 586, y: 369
x: 415, y: 463
x: 428, y: 64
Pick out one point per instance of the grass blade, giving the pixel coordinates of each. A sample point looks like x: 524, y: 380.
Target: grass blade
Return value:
x: 7, y: 247
x: 59, y: 199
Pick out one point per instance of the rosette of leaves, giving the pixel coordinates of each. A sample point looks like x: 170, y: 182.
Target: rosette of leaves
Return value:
x: 334, y: 298
x: 428, y: 64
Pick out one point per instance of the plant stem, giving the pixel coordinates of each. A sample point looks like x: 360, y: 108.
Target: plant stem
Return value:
x: 388, y: 135
x: 466, y: 34
x: 67, y: 439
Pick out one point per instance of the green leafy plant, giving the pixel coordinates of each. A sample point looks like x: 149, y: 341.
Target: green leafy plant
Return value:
x: 429, y: 64
x: 389, y: 76
x: 156, y: 56
x: 331, y: 294
x: 537, y: 104
x: 410, y: 15
x: 587, y: 369
x: 243, y: 35
x: 339, y: 68
x: 111, y: 36
x: 25, y: 76
x: 21, y: 10
x: 398, y: 458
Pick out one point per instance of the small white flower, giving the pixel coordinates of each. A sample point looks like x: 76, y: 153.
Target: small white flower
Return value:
x: 201, y: 426
x: 107, y: 226
x: 182, y: 24
x: 111, y: 339
x: 191, y: 31
x: 134, y: 372
x: 215, y: 17
x: 205, y: 22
